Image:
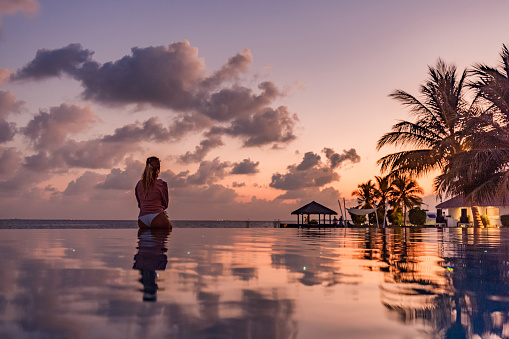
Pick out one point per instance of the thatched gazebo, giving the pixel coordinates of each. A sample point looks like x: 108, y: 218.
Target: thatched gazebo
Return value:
x: 313, y: 208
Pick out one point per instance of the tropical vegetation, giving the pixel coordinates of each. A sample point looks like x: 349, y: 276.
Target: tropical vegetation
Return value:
x: 399, y: 193
x: 416, y: 216
x: 460, y: 132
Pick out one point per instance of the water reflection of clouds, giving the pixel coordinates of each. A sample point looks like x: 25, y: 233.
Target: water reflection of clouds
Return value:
x: 256, y: 283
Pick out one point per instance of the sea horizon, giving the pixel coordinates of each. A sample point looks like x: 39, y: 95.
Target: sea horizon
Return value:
x: 15, y: 223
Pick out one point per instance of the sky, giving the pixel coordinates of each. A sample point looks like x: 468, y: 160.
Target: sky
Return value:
x: 254, y: 108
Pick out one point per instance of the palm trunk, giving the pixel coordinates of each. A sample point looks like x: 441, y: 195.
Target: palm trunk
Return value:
x: 477, y: 217
x: 404, y: 215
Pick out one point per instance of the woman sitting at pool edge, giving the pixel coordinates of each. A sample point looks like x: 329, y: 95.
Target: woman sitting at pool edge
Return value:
x: 152, y: 196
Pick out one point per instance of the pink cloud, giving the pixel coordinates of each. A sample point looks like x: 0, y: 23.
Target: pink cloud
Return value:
x: 49, y: 130
x: 5, y: 74
x: 8, y: 105
x: 14, y: 6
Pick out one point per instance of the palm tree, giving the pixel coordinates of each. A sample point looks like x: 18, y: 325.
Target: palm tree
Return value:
x: 405, y: 192
x: 383, y: 194
x: 482, y: 171
x: 492, y: 83
x: 437, y: 133
x: 365, y: 194
x: 443, y: 129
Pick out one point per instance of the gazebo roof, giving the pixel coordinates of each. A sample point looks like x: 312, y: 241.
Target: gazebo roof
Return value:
x: 460, y: 201
x: 314, y: 208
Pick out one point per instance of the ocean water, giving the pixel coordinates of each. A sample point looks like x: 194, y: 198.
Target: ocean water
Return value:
x: 107, y: 224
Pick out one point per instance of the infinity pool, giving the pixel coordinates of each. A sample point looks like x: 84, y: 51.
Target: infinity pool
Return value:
x: 254, y: 283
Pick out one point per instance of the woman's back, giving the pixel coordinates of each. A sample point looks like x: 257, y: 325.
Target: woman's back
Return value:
x: 155, y: 200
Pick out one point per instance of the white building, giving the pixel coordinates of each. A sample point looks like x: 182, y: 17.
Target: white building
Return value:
x: 458, y: 206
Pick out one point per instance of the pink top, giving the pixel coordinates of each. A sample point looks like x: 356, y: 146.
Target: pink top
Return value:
x: 155, y: 201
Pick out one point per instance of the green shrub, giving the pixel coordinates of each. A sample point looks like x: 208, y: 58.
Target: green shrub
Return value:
x: 416, y: 216
x: 358, y: 219
x: 485, y: 220
x: 504, y: 219
x: 395, y: 217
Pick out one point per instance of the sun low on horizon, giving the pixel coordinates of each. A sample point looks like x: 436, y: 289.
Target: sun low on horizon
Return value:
x: 254, y: 109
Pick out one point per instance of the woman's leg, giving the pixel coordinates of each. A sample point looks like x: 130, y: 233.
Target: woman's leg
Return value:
x: 161, y: 221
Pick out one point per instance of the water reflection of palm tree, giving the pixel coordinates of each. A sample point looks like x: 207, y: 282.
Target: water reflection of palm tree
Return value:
x: 409, y: 288
x: 151, y: 256
x: 466, y: 294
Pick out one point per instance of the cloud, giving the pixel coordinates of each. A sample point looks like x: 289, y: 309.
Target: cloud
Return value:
x: 22, y: 180
x: 10, y: 161
x: 150, y: 130
x: 208, y: 173
x: 175, y: 180
x: 328, y: 194
x: 310, y: 160
x: 7, y: 131
x: 246, y: 166
x: 175, y: 78
x: 309, y: 173
x: 119, y: 179
x: 204, y: 195
x: 49, y: 133
x: 14, y: 6
x: 5, y: 74
x: 161, y: 76
x: 53, y: 63
x: 265, y: 127
x: 336, y: 159
x: 295, y: 179
x: 202, y: 150
x: 238, y: 184
x: 238, y: 101
x: 308, y: 178
x: 8, y: 105
x: 48, y: 130
x: 235, y: 66
x: 188, y: 123
x: 44, y: 161
x: 93, y: 154
x: 83, y: 184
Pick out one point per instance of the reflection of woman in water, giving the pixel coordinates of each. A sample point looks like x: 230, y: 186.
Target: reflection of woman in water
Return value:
x: 152, y: 196
x: 151, y: 256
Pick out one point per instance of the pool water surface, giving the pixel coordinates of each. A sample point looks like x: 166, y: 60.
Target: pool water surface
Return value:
x: 254, y: 283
